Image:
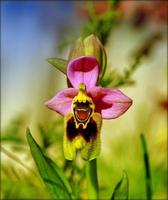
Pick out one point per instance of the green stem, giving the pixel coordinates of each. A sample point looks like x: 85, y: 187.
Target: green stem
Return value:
x: 92, y: 181
x: 147, y: 168
x: 91, y: 10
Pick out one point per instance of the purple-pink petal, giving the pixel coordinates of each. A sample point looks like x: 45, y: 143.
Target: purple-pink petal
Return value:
x: 62, y: 101
x: 111, y: 103
x: 83, y: 69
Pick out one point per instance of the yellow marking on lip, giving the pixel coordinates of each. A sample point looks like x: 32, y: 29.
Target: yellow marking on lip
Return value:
x: 82, y: 97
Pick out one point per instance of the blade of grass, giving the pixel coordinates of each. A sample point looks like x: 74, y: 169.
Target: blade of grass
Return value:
x: 121, y: 190
x: 147, y: 167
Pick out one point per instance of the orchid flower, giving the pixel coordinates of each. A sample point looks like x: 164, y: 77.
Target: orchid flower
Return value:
x: 84, y: 106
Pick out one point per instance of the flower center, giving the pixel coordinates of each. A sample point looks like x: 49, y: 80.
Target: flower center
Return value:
x: 82, y: 106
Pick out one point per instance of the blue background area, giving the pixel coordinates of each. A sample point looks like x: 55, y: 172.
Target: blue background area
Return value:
x: 31, y: 32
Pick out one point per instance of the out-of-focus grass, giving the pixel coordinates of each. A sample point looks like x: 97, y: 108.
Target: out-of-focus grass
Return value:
x: 17, y: 164
x: 126, y: 153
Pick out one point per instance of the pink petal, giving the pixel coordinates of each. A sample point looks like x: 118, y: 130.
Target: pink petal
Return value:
x: 111, y: 103
x: 83, y: 69
x: 62, y: 101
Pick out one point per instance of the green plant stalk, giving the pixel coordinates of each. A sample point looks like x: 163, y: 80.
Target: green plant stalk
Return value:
x: 92, y: 180
x: 91, y: 10
x: 147, y: 168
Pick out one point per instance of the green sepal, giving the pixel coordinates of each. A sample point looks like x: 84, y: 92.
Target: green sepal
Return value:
x: 58, y: 63
x: 93, y: 47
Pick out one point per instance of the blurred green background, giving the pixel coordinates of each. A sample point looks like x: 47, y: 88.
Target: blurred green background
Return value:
x: 35, y: 31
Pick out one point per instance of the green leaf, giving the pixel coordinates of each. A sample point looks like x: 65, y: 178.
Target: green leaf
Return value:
x: 59, y: 63
x: 121, y: 189
x: 53, y: 177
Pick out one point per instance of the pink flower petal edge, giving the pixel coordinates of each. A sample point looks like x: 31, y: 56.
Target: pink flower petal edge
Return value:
x: 62, y: 101
x: 83, y: 69
x: 111, y: 103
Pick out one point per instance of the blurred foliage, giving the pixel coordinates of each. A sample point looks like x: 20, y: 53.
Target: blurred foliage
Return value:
x: 102, y: 24
x: 114, y: 79
x: 13, y: 132
x: 11, y: 154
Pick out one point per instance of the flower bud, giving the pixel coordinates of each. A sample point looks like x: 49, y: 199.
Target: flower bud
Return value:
x: 77, y: 49
x: 93, y: 47
x: 90, y: 46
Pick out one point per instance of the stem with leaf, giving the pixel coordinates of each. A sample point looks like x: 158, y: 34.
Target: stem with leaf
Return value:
x: 92, y: 181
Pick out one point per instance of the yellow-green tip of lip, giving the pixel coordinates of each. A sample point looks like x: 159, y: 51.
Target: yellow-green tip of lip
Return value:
x: 82, y: 86
x: 79, y: 142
